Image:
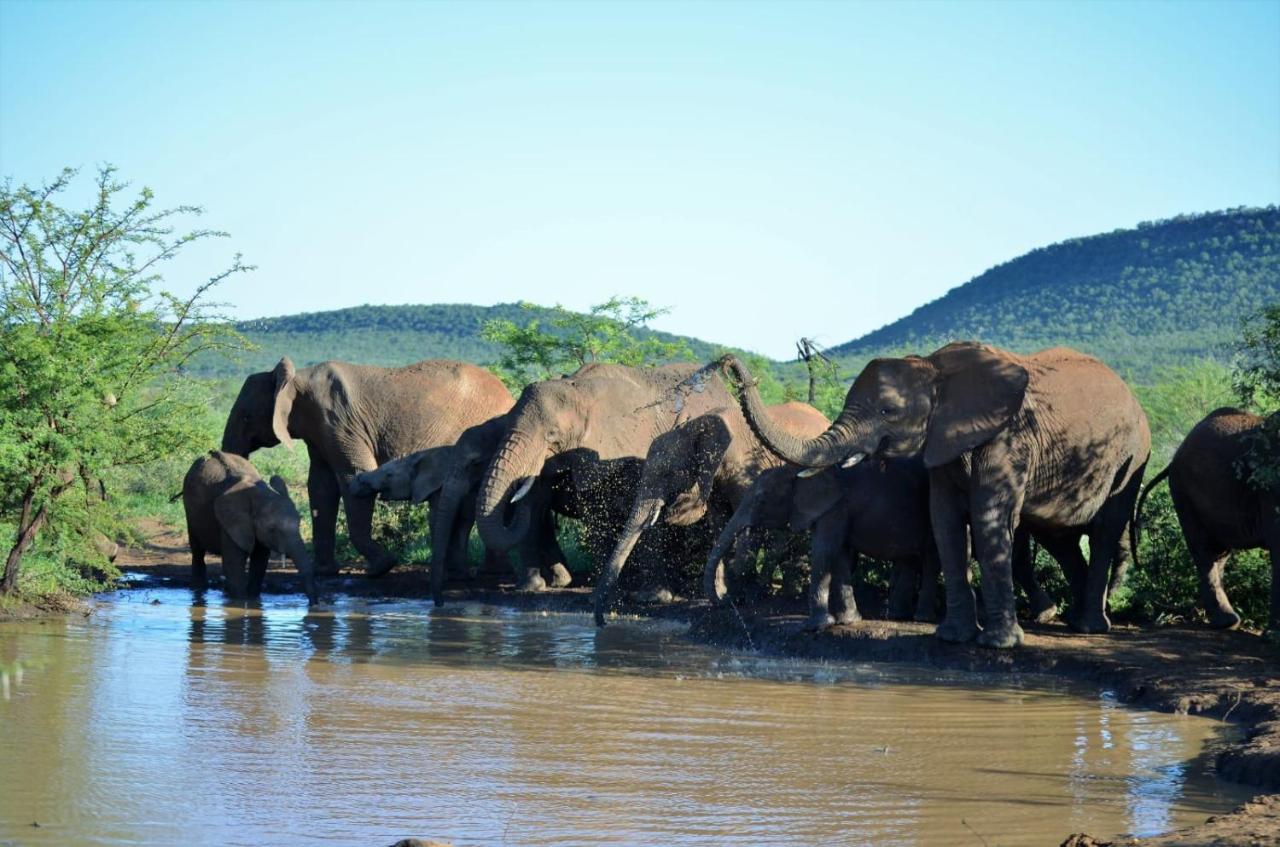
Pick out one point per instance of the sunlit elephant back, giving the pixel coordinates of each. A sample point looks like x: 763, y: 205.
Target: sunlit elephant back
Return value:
x: 353, y: 418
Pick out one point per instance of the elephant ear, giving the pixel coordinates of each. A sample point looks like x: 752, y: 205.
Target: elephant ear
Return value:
x: 285, y: 393
x: 277, y: 482
x: 428, y: 475
x: 710, y: 443
x: 979, y: 390
x: 693, y: 457
x: 812, y: 497
x: 234, y: 511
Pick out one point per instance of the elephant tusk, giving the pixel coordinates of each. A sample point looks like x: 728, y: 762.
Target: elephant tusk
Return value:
x: 808, y: 472
x: 853, y: 460
x: 524, y: 489
x: 657, y: 511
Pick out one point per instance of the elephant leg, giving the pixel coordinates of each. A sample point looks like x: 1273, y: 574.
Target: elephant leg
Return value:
x: 840, y: 601
x: 233, y: 568
x: 552, y: 557
x: 1065, y: 550
x: 821, y: 559
x: 1043, y: 609
x: 460, y: 540
x: 948, y: 512
x: 1209, y: 557
x: 322, y: 490
x: 927, y: 599
x: 995, y: 514
x: 258, y: 559
x: 902, y: 589
x: 360, y: 528
x: 199, y: 572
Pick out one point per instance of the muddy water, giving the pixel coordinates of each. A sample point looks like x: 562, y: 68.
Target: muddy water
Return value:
x: 159, y: 722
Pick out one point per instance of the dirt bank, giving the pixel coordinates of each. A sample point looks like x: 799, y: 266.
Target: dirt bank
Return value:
x: 1255, y: 824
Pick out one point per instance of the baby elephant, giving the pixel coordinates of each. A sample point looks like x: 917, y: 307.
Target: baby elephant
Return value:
x: 231, y: 511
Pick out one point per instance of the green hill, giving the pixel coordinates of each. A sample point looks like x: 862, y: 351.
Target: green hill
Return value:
x: 385, y: 335
x: 1162, y: 293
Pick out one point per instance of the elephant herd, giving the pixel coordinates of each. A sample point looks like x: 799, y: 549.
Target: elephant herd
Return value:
x: 968, y: 452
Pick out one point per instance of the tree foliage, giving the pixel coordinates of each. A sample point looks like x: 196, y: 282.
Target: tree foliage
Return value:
x: 91, y: 354
x: 544, y: 348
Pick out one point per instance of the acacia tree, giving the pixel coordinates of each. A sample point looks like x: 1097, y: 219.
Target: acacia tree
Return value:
x: 92, y: 350
x: 606, y: 333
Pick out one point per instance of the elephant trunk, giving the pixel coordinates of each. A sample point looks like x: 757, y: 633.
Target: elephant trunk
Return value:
x: 518, y: 459
x: 820, y: 451
x: 713, y: 581
x: 442, y: 522
x: 643, y: 515
x: 306, y: 568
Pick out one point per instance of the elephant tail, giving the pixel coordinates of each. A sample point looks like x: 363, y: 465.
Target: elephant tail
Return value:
x: 1135, y: 525
x: 175, y: 498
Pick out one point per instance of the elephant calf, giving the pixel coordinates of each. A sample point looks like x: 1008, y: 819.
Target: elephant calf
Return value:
x: 1218, y: 511
x: 231, y: 511
x: 879, y: 509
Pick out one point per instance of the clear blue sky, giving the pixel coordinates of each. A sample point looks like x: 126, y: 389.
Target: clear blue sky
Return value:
x: 767, y: 170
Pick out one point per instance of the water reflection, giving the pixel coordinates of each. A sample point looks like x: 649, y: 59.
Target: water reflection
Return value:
x: 268, y: 723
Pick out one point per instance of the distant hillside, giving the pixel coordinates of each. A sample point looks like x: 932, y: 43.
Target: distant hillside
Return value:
x: 1162, y: 293
x: 384, y: 335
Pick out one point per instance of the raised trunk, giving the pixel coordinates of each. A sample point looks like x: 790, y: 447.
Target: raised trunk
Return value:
x: 713, y: 582
x: 642, y: 517
x: 517, y: 459
x: 819, y: 452
x: 442, y: 534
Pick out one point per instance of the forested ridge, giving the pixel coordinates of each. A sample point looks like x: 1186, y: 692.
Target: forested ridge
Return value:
x: 1162, y: 293
x: 389, y: 335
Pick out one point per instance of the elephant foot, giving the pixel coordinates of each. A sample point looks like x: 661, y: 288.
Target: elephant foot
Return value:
x: 1224, y: 619
x: 532, y: 581
x: 1045, y: 613
x: 957, y: 632
x: 327, y: 568
x: 654, y: 595
x: 818, y: 621
x: 1001, y: 637
x: 847, y: 617
x: 560, y: 576
x: 379, y: 568
x: 1091, y: 624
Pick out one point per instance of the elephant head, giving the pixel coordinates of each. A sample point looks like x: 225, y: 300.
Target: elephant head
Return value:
x: 262, y: 513
x: 944, y: 404
x: 780, y: 498
x: 260, y: 416
x: 675, y: 485
x: 413, y: 478
x: 550, y: 418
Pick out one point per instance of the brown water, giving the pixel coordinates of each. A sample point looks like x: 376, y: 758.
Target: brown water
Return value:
x: 164, y: 723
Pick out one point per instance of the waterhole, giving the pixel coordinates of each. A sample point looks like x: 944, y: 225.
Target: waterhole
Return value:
x: 162, y: 721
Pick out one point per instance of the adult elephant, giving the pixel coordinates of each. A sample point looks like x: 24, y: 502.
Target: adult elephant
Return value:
x: 586, y: 435
x: 354, y: 418
x: 1219, y: 511
x: 702, y: 466
x: 1054, y: 440
x: 451, y: 475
